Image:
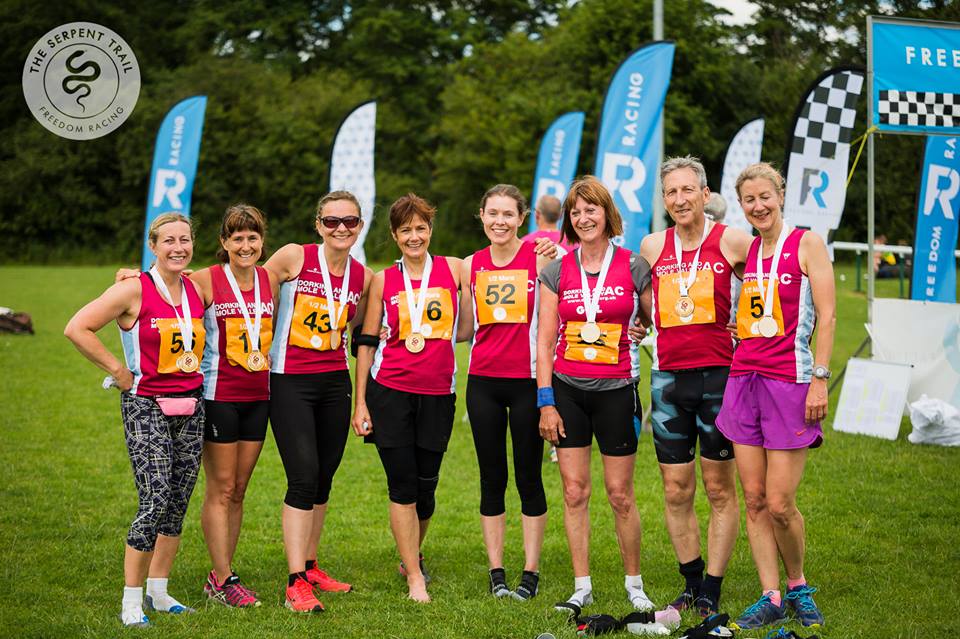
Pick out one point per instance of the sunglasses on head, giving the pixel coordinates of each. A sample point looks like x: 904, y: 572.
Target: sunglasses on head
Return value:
x: 351, y: 221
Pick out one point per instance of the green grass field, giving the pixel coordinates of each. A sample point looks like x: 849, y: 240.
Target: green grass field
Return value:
x: 883, y: 518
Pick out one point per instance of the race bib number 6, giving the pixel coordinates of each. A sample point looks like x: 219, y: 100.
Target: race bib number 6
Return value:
x: 501, y: 297
x: 605, y: 350
x: 171, y: 343
x: 312, y: 324
x: 437, y: 315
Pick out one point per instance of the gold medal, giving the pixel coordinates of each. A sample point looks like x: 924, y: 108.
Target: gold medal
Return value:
x: 256, y: 361
x: 188, y: 362
x: 590, y: 332
x: 415, y: 342
x: 767, y: 326
x: 334, y: 340
x: 684, y: 306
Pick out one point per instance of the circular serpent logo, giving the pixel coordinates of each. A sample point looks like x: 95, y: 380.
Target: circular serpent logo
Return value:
x: 81, y: 81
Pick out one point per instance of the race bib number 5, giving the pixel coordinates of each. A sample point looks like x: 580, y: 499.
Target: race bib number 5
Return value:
x: 750, y: 310
x: 238, y: 342
x: 605, y: 350
x: 171, y: 343
x: 312, y: 324
x: 501, y: 297
x: 668, y: 293
x: 437, y: 314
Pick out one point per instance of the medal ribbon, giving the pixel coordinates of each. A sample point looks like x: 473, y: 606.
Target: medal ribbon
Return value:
x: 687, y: 282
x: 768, y: 294
x: 328, y: 287
x: 416, y: 308
x: 253, y: 329
x: 185, y: 322
x: 591, y: 301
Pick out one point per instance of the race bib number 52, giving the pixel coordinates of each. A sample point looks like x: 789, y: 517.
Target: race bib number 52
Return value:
x: 501, y: 297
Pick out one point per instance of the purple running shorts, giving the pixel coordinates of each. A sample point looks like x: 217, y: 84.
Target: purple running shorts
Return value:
x: 761, y: 411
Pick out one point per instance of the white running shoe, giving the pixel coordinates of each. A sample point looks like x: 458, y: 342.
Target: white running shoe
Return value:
x: 579, y: 598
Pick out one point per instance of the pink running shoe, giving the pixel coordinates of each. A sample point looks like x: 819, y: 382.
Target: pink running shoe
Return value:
x: 322, y: 581
x: 231, y: 593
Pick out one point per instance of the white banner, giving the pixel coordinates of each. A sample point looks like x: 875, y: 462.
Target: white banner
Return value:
x: 743, y: 151
x: 351, y: 165
x: 925, y: 335
x: 820, y: 149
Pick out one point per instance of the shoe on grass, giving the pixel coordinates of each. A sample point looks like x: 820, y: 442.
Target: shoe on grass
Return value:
x: 230, y: 593
x: 322, y: 581
x: 684, y: 600
x: 300, y: 597
x: 529, y: 583
x: 706, y: 605
x: 800, y: 599
x: 763, y: 613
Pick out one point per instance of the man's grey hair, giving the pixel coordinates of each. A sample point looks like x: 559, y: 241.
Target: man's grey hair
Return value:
x: 716, y: 207
x: 686, y: 162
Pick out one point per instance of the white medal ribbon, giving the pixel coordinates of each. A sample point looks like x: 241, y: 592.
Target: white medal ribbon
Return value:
x: 328, y: 287
x: 416, y: 307
x: 253, y: 328
x: 185, y: 322
x: 591, y: 300
x: 767, y: 296
x: 687, y: 282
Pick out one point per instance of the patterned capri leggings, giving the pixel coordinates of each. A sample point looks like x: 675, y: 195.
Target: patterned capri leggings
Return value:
x: 165, y: 457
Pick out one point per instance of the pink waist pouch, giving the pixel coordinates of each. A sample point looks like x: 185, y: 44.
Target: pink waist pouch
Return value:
x: 177, y: 406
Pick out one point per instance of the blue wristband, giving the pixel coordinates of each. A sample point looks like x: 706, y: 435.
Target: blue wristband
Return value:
x: 545, y: 397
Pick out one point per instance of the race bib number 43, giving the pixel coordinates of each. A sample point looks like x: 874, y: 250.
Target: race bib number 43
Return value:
x: 238, y: 342
x: 668, y: 293
x: 750, y: 310
x: 312, y: 324
x: 501, y: 297
x: 605, y: 350
x: 437, y: 314
x: 171, y: 343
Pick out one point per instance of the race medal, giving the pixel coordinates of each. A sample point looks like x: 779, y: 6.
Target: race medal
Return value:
x: 334, y: 340
x: 590, y: 332
x: 767, y: 326
x: 684, y: 306
x: 188, y: 362
x: 415, y: 342
x: 256, y: 361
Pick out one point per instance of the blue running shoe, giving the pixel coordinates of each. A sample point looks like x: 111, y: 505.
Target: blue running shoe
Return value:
x: 762, y: 613
x: 805, y: 610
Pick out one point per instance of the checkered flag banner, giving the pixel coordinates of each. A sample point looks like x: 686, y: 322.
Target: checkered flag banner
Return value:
x: 820, y: 149
x: 351, y: 165
x: 919, y: 108
x: 743, y: 151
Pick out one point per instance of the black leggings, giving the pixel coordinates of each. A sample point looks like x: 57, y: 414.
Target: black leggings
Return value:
x: 310, y: 417
x: 488, y: 401
x: 412, y: 476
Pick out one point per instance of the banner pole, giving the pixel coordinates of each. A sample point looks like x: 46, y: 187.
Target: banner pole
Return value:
x: 659, y: 221
x: 870, y: 168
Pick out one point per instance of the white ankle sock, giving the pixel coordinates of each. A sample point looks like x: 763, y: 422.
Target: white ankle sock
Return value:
x: 633, y: 581
x: 160, y: 599
x: 583, y: 583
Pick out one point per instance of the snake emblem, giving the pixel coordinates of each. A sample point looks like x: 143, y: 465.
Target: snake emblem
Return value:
x: 80, y: 81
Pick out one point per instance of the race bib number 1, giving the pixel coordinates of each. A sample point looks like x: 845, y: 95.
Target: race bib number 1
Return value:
x: 501, y: 297
x: 238, y: 342
x: 437, y: 315
x: 311, y: 327
x: 750, y: 310
x: 171, y: 343
x: 605, y: 350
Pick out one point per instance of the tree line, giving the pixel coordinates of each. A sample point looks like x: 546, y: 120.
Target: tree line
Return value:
x: 465, y: 90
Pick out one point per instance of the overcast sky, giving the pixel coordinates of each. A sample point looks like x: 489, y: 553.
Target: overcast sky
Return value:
x: 742, y: 10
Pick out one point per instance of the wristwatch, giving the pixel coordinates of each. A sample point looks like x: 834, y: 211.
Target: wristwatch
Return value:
x: 821, y: 372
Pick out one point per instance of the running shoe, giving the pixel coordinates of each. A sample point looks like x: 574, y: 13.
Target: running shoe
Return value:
x: 172, y: 606
x: 575, y: 602
x: 639, y: 599
x: 423, y: 569
x: 762, y: 613
x: 300, y: 597
x: 231, y: 593
x: 133, y: 617
x: 322, y: 581
x: 804, y: 609
x: 498, y: 583
x: 706, y: 605
x: 684, y: 600
x: 527, y: 589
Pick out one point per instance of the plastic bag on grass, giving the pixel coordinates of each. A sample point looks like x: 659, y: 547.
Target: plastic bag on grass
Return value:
x: 934, y: 422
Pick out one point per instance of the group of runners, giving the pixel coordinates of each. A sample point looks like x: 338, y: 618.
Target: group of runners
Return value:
x: 209, y: 358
